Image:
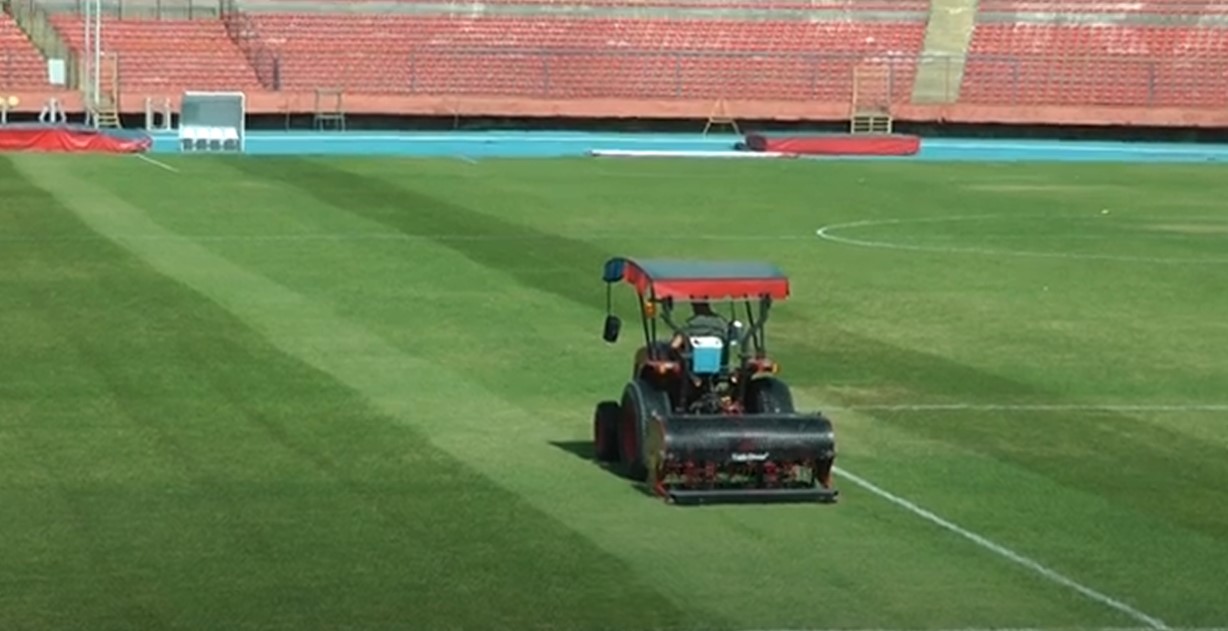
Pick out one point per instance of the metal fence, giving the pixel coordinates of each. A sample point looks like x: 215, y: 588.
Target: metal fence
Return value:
x: 1032, y: 80
x: 243, y: 32
x: 982, y: 79
x: 630, y: 73
x: 143, y: 9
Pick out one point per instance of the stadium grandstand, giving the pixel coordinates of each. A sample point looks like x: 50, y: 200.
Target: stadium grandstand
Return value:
x: 1155, y: 62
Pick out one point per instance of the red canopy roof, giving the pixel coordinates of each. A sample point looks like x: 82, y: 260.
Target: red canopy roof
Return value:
x: 700, y: 280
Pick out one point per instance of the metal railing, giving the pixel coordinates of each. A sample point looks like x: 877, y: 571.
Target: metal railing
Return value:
x: 638, y: 73
x: 1117, y: 80
x: 243, y: 32
x: 143, y: 9
x: 983, y: 79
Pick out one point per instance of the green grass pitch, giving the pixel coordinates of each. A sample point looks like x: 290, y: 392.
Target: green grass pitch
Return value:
x: 300, y: 393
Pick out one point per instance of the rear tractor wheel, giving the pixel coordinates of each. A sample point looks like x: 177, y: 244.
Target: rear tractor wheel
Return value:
x: 641, y: 402
x: 605, y: 431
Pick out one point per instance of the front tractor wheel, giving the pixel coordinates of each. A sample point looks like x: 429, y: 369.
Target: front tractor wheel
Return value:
x: 769, y: 395
x: 605, y: 431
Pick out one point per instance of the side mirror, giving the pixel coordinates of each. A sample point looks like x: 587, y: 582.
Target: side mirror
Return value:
x: 612, y: 327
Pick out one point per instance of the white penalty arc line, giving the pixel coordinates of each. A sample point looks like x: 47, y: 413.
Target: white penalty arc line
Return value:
x: 1032, y: 407
x: 1016, y: 629
x: 393, y: 236
x: 825, y: 233
x: 1150, y: 621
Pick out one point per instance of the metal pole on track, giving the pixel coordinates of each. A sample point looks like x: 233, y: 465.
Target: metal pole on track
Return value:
x: 97, y: 53
x: 92, y: 59
x: 88, y: 74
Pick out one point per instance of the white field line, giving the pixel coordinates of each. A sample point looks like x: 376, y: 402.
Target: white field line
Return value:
x: 158, y: 163
x: 393, y: 236
x: 1017, y: 629
x: 1150, y: 621
x: 825, y: 233
x: 1037, y: 407
x: 631, y: 139
x: 483, y: 139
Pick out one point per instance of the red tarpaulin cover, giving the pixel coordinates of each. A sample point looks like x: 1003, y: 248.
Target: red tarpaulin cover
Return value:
x: 69, y: 141
x: 838, y: 145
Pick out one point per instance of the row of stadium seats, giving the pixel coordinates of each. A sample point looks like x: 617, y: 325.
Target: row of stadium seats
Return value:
x: 1010, y: 63
x: 848, y: 6
x: 168, y: 56
x: 580, y: 57
x: 20, y: 63
x: 1033, y: 64
x: 1086, y: 7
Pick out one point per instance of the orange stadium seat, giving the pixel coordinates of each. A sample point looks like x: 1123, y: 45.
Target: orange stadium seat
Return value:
x: 1152, y: 54
x: 165, y: 57
x: 21, y: 65
x: 584, y: 57
x: 1099, y: 7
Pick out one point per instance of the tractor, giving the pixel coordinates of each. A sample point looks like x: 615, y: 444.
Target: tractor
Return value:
x: 705, y: 416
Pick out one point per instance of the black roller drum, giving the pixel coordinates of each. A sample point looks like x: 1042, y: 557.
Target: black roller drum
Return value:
x: 744, y: 439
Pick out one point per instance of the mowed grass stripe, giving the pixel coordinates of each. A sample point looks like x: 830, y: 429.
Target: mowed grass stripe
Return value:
x: 383, y: 201
x: 882, y: 573
x: 1096, y: 470
x: 946, y: 330
x: 858, y: 358
x: 1105, y: 331
x: 166, y: 466
x: 1086, y: 536
x: 360, y: 260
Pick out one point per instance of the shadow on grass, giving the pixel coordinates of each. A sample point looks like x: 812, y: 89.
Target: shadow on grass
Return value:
x: 583, y: 450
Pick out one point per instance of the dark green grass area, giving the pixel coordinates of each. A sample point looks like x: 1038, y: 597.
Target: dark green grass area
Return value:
x: 161, y: 466
x: 166, y: 430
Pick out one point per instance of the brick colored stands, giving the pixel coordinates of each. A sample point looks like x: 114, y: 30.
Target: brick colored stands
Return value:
x: 21, y: 65
x: 586, y: 58
x: 169, y: 56
x: 1106, y: 64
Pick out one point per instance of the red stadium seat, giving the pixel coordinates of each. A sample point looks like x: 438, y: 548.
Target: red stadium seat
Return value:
x: 1153, y: 54
x: 585, y: 57
x: 158, y: 56
x: 21, y: 65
